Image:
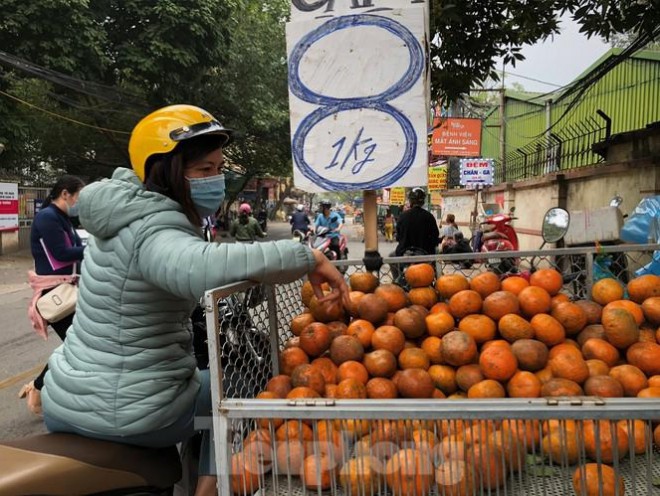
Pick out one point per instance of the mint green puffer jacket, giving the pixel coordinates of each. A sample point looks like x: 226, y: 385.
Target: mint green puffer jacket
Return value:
x: 126, y: 366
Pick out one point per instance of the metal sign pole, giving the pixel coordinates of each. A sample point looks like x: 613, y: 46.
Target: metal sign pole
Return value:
x: 372, y: 258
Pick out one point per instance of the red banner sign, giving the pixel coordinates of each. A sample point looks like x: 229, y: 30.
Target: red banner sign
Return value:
x: 457, y: 138
x: 8, y: 206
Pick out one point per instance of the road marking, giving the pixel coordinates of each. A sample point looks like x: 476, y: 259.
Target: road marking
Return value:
x: 21, y: 377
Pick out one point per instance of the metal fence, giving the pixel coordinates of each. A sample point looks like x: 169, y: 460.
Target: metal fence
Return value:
x: 568, y: 148
x: 358, y: 447
x: 29, y: 201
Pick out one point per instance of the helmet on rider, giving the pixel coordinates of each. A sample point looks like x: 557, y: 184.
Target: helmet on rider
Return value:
x: 326, y: 204
x: 161, y: 131
x: 300, y: 207
x: 245, y: 209
x: 416, y: 197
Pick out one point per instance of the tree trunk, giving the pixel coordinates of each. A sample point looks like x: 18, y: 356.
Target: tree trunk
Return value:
x: 230, y: 199
x: 279, y: 203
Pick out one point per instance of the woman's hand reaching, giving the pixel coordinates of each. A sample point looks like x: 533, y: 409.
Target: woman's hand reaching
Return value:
x: 326, y: 272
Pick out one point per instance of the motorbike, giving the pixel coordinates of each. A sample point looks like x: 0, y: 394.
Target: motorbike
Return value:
x: 301, y: 237
x: 321, y: 241
x: 262, y: 218
x: 90, y: 466
x: 496, y: 234
x: 555, y: 226
x: 599, y: 227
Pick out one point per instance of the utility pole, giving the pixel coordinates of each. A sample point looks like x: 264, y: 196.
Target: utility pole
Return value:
x: 502, y: 127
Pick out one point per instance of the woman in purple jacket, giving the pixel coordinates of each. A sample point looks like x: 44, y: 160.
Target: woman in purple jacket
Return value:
x: 57, y: 250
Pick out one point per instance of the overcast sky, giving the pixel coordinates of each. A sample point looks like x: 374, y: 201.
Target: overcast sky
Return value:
x: 557, y: 60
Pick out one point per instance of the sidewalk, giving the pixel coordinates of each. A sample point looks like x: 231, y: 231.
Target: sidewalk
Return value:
x: 13, y: 271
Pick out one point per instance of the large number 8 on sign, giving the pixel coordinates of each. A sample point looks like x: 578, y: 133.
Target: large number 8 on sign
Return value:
x: 331, y: 106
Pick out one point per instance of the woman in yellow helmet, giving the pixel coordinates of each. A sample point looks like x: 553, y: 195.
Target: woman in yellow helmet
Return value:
x: 126, y: 372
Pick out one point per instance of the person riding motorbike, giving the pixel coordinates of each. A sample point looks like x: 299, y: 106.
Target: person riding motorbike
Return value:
x: 126, y: 372
x: 417, y: 228
x: 300, y: 220
x: 331, y: 220
x: 246, y: 228
x: 262, y: 218
x: 416, y: 231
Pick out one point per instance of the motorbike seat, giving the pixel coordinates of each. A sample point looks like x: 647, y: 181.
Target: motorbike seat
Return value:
x: 493, y: 235
x: 63, y: 464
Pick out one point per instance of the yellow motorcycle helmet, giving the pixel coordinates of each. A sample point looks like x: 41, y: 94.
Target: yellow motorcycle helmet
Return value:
x: 160, y: 132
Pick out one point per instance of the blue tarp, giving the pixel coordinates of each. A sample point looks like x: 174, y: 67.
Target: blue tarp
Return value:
x: 643, y: 226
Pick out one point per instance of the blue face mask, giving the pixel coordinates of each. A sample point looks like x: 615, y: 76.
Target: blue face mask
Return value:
x: 207, y: 193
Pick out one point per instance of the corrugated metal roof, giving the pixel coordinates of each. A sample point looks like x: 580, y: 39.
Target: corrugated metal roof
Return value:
x: 629, y: 94
x: 537, y: 98
x: 525, y: 96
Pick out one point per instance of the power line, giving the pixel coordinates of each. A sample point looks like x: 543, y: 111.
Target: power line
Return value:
x: 533, y: 79
x: 53, y: 114
x: 582, y: 85
x: 96, y: 90
x: 577, y: 89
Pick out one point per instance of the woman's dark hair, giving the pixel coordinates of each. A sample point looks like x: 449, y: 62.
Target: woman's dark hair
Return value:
x: 72, y: 184
x: 451, y: 219
x: 165, y: 173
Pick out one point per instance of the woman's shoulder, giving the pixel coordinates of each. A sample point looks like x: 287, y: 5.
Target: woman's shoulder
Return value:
x: 47, y: 214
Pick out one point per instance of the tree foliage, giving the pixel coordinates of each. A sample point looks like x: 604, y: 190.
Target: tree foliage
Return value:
x: 622, y: 40
x: 99, y: 65
x: 127, y: 58
x: 250, y: 90
x: 470, y: 36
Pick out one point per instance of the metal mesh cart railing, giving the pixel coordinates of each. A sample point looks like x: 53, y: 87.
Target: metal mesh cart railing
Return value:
x: 535, y: 446
x: 522, y: 447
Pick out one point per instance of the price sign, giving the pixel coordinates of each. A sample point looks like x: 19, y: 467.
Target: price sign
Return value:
x: 358, y: 94
x: 397, y: 196
x: 476, y: 172
x: 457, y: 138
x: 438, y: 178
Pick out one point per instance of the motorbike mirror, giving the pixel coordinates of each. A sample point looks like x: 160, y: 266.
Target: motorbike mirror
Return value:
x: 616, y: 201
x: 555, y: 224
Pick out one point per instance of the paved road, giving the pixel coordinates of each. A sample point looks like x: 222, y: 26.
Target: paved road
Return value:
x: 23, y: 353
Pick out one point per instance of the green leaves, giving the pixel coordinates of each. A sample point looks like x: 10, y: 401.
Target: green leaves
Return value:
x: 228, y: 57
x: 117, y: 59
x: 471, y: 35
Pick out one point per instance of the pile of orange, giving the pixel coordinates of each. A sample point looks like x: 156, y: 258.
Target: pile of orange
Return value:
x: 450, y: 338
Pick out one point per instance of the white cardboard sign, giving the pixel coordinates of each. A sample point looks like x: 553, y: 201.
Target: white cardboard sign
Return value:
x: 358, y: 97
x: 307, y: 9
x: 8, y: 206
x: 476, y: 172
